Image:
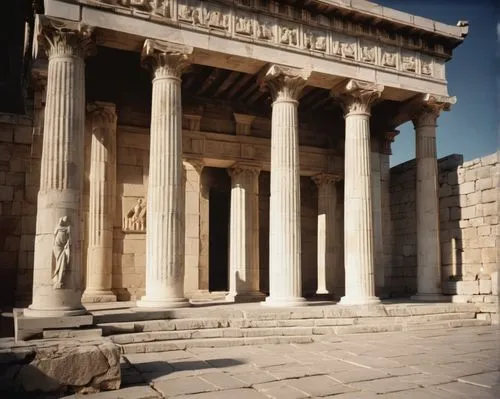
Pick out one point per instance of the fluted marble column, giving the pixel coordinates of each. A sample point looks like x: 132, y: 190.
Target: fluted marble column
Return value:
x: 285, y: 282
x: 327, y: 204
x: 385, y: 180
x: 358, y: 223
x: 57, y: 282
x: 165, y: 203
x: 427, y: 202
x: 244, y: 234
x: 102, y: 179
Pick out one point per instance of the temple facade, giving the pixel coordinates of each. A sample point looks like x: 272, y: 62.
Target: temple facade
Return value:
x: 188, y: 150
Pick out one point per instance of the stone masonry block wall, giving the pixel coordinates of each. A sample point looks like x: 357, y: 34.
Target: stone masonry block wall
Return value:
x: 17, y: 214
x: 468, y: 214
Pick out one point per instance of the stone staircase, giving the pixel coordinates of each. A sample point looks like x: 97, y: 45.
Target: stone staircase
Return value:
x: 251, y: 324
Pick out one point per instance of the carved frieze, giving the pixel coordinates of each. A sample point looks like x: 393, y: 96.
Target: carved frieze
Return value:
x: 244, y: 24
x: 315, y: 40
x: 316, y: 34
x: 289, y: 34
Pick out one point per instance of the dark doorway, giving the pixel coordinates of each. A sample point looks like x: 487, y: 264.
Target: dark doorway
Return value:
x: 218, y: 213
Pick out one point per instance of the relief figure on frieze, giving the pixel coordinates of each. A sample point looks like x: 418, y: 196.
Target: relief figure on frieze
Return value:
x: 409, y: 63
x: 160, y: 7
x: 288, y: 35
x: 244, y: 25
x: 264, y: 30
x: 426, y: 66
x: 217, y: 19
x: 368, y: 54
x: 389, y: 59
x: 315, y: 41
x: 189, y: 13
x: 348, y: 50
x: 62, y: 251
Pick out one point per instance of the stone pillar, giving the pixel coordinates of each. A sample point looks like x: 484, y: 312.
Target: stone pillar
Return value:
x: 427, y: 201
x: 285, y: 281
x: 378, y: 243
x: 102, y: 179
x: 193, y: 169
x: 57, y: 274
x: 244, y: 234
x: 165, y: 204
x: 385, y: 174
x: 327, y: 204
x: 358, y: 223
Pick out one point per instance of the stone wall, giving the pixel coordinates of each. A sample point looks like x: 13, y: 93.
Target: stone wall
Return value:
x: 17, y: 214
x: 469, y: 229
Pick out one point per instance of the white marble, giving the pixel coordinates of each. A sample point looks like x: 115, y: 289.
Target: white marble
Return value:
x: 327, y: 206
x: 358, y: 220
x: 427, y: 202
x: 165, y: 202
x: 244, y: 234
x: 57, y: 274
x: 285, y: 281
x: 102, y: 181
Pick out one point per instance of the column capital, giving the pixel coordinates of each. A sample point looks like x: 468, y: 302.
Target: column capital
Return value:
x: 244, y: 167
x: 102, y: 113
x: 284, y: 83
x: 165, y: 59
x: 429, y: 109
x: 196, y: 163
x: 325, y: 178
x: 388, y: 138
x: 61, y: 38
x: 358, y: 96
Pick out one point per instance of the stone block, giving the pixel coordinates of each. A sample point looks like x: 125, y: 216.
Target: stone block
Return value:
x: 66, y: 365
x: 455, y: 213
x: 467, y: 187
x: 30, y: 327
x: 473, y: 198
x: 468, y: 233
x: 6, y: 193
x: 484, y: 316
x: 469, y: 212
x: 468, y: 287
x: 445, y: 190
x: 483, y: 231
x: 484, y: 183
x: 489, y: 209
x: 490, y: 195
x: 494, y: 283
x: 485, y: 286
x: 490, y: 159
x: 23, y: 135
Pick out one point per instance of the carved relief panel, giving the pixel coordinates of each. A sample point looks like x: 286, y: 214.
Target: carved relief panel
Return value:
x: 426, y: 67
x: 216, y: 16
x: 408, y: 61
x: 368, y: 52
x: 265, y: 28
x: 390, y: 57
x: 345, y: 46
x: 244, y: 24
x: 190, y: 11
x: 288, y: 34
x: 315, y: 40
x: 134, y: 215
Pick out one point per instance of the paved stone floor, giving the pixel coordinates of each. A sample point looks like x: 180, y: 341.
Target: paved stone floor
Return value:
x: 452, y: 363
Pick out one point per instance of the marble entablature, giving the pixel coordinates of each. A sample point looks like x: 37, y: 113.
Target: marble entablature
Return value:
x: 296, y: 29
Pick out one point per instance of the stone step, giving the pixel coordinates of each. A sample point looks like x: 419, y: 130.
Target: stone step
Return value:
x: 445, y: 324
x: 207, y: 323
x: 77, y: 333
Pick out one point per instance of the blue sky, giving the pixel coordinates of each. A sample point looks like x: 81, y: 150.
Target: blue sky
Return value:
x: 471, y: 127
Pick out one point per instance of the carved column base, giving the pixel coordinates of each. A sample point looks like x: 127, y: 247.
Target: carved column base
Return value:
x: 255, y: 296
x: 32, y: 312
x: 284, y: 302
x: 146, y: 302
x: 350, y: 300
x: 98, y: 296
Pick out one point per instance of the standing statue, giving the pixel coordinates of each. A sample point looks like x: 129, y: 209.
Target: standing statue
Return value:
x: 62, y: 250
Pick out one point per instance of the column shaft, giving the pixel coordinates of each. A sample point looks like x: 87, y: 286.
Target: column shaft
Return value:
x: 102, y: 179
x: 244, y: 235
x: 285, y: 281
x: 358, y: 216
x: 57, y: 282
x: 327, y: 204
x: 165, y: 203
x: 378, y: 240
x: 428, y: 248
